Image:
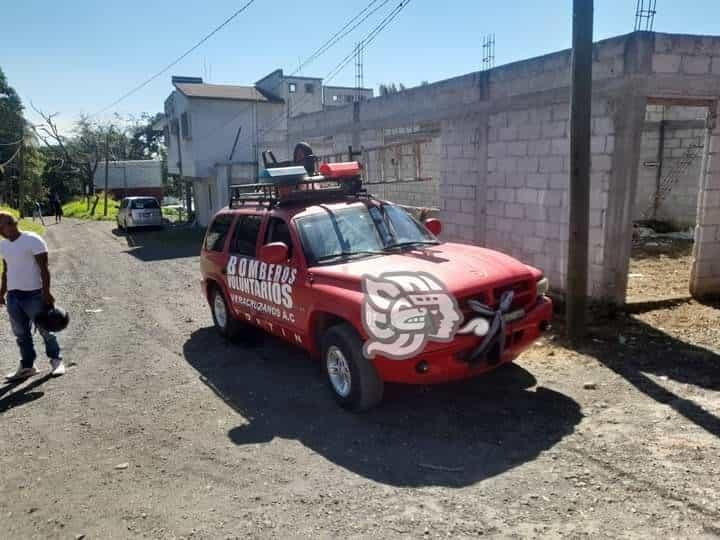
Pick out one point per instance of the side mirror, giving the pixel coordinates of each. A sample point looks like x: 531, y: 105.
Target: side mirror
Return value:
x: 274, y: 253
x: 433, y: 225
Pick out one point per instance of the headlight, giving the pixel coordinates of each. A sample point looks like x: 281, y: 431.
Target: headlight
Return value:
x: 543, y: 286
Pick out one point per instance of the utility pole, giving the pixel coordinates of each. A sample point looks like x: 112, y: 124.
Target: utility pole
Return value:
x: 21, y: 172
x: 580, y: 104
x: 107, y: 157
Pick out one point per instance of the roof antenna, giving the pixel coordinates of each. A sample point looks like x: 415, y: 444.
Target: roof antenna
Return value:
x: 645, y: 11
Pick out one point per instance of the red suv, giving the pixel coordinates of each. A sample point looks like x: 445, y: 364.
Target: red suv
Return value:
x: 365, y: 287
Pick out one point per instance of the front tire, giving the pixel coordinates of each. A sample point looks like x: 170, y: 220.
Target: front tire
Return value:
x: 352, y: 378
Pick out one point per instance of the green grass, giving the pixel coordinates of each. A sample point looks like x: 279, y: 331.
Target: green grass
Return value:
x: 25, y: 224
x: 78, y: 209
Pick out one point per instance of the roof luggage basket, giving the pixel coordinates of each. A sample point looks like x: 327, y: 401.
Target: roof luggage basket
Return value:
x: 280, y: 184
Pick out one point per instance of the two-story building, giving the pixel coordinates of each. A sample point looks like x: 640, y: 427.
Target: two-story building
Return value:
x: 215, y: 134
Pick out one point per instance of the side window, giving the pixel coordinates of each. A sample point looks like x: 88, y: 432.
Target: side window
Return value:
x: 245, y: 235
x: 215, y: 239
x: 278, y: 231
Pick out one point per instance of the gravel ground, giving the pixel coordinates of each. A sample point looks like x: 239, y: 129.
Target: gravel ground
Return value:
x: 162, y: 430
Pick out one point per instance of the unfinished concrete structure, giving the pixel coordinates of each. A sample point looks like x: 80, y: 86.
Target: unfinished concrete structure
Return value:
x: 503, y: 151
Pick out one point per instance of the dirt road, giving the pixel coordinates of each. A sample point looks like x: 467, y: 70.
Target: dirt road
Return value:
x: 161, y: 430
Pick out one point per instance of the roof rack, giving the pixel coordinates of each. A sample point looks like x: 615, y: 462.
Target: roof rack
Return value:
x: 309, y: 189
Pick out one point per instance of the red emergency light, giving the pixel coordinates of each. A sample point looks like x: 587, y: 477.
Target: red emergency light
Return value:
x: 345, y: 169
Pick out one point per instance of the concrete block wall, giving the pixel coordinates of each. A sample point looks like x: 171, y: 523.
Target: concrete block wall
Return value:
x: 504, y: 144
x: 684, y: 127
x: 705, y: 272
x: 527, y: 185
x: 463, y: 147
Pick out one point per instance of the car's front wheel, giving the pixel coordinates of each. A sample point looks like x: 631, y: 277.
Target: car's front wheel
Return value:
x: 352, y: 378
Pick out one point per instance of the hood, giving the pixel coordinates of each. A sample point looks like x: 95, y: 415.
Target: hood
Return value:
x: 462, y: 268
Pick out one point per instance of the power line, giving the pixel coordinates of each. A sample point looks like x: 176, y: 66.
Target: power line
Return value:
x: 367, y: 40
x: 334, y: 38
x: 12, y: 143
x: 12, y: 157
x: 178, y: 59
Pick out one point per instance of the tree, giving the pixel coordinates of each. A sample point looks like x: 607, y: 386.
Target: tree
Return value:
x: 387, y: 89
x: 12, y: 138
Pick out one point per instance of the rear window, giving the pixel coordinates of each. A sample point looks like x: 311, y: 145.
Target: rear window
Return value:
x: 145, y: 204
x: 217, y: 233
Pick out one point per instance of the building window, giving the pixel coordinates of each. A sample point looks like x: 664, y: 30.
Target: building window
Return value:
x: 309, y: 88
x: 185, y: 125
x: 292, y: 88
x: 335, y: 98
x: 349, y: 99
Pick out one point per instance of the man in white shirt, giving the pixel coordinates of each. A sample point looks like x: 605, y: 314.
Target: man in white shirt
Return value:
x: 26, y: 284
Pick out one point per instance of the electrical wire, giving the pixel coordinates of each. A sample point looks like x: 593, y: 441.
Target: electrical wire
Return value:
x: 334, y: 38
x: 12, y: 143
x: 2, y: 165
x: 177, y: 60
x: 369, y: 38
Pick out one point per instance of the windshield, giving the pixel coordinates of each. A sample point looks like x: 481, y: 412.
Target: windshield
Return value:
x: 357, y: 231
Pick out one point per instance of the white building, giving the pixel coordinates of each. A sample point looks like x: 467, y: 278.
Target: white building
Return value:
x: 130, y: 178
x: 215, y: 134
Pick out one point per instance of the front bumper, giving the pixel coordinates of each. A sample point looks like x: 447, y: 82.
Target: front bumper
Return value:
x: 451, y: 363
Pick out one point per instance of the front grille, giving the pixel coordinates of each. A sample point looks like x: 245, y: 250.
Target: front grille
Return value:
x: 523, y: 296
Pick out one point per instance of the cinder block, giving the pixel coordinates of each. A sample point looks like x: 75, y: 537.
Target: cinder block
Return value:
x: 539, y: 148
x: 602, y: 125
x: 552, y: 198
x: 695, y: 65
x: 527, y: 196
x: 514, y: 211
x: 467, y: 206
x: 533, y: 244
x: 451, y: 205
x: 601, y: 162
x: 529, y: 131
x: 528, y: 164
x: 716, y: 65
x: 508, y: 134
x: 497, y: 150
x: 537, y: 180
x: 495, y: 179
x: 535, y: 212
x: 666, y: 63
x: 517, y: 149
x: 561, y: 112
x: 507, y: 165
x: 552, y: 130
x: 560, y: 146
x: 518, y: 118
x: 515, y: 180
x: 506, y: 195
x: 540, y: 115
x: 551, y: 164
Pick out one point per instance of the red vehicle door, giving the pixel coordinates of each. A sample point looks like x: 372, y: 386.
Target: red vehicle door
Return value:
x: 214, y: 251
x: 288, y: 277
x: 248, y: 300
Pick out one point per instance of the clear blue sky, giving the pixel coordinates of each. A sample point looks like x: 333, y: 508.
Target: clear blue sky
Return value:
x: 80, y: 55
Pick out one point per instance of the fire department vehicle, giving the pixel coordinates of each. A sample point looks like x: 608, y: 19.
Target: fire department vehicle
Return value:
x: 308, y: 255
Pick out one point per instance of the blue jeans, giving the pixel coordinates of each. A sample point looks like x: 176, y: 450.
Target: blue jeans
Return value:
x: 23, y: 307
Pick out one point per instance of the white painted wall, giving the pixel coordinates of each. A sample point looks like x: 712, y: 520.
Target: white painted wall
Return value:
x: 213, y: 126
x: 129, y: 174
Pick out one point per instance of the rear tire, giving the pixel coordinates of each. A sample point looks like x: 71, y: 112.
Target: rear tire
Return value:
x: 226, y: 325
x: 352, y: 378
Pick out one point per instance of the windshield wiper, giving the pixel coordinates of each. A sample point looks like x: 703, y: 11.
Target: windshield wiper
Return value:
x: 347, y: 255
x: 412, y: 243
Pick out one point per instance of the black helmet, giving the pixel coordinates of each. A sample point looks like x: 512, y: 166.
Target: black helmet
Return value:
x: 54, y: 319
